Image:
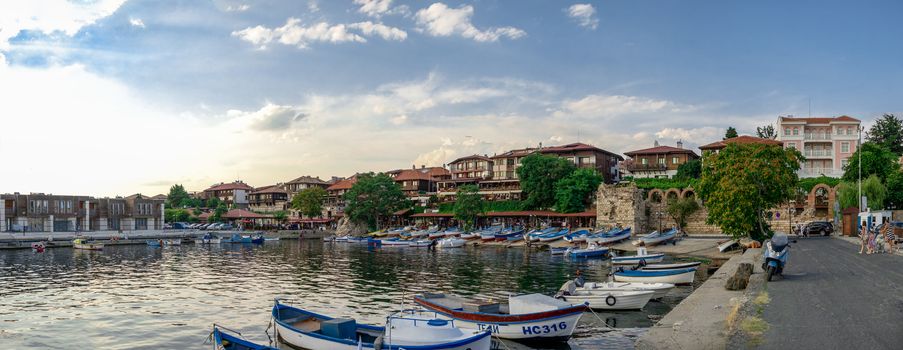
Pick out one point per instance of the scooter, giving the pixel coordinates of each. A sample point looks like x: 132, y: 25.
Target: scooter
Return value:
x: 777, y: 250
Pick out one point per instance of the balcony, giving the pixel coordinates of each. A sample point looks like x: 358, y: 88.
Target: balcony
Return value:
x: 817, y: 153
x: 818, y: 137
x: 647, y: 167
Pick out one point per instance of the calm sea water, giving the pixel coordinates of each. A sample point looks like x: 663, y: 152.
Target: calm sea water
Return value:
x: 139, y: 297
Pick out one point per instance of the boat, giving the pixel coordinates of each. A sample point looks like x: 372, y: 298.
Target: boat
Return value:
x: 577, y: 236
x: 394, y: 242
x: 659, y: 289
x: 177, y: 241
x: 452, y: 242
x: 592, y: 251
x: 615, y: 235
x: 681, y: 276
x: 516, y: 238
x: 530, y: 317
x: 225, y: 341
x: 418, y: 234
x: 550, y: 236
x: 208, y: 239
x: 341, y: 239
x: 154, y: 242
x: 610, y: 300
x: 656, y: 237
x: 38, y: 247
x: 410, y: 330
x: 559, y: 250
x: 533, y: 236
x: 258, y: 239
x: 81, y: 243
x: 637, y: 259
x: 659, y: 267
x: 723, y: 247
x: 469, y: 235
x: 436, y: 234
x: 507, y: 235
x: 329, y: 239
x: 452, y: 232
x: 420, y: 243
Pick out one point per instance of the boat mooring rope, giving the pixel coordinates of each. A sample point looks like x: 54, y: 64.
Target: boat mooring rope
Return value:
x: 600, y: 319
x: 501, y: 341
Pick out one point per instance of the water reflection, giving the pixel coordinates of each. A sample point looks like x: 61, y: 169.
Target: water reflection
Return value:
x: 132, y: 297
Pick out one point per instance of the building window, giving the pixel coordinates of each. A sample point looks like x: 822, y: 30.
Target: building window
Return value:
x: 796, y: 131
x: 661, y: 161
x: 843, y: 163
x: 845, y: 147
x: 849, y: 131
x: 791, y: 145
x: 644, y: 161
x: 786, y: 131
x: 141, y: 224
x: 675, y: 160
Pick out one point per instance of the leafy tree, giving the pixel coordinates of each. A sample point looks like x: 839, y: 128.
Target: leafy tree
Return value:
x: 731, y: 133
x: 573, y: 193
x: 894, y: 186
x: 766, y: 132
x: 680, y: 209
x: 177, y: 195
x: 743, y: 181
x: 192, y: 203
x: 372, y: 198
x: 692, y: 169
x: 213, y: 202
x: 876, y: 160
x: 538, y: 175
x: 872, y: 189
x: 176, y: 215
x: 888, y: 132
x: 309, y: 201
x: 468, y: 205
x: 217, y: 215
x: 280, y: 216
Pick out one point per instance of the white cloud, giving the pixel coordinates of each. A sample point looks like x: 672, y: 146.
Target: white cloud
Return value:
x: 49, y: 15
x: 386, y: 32
x: 379, y: 8
x: 695, y: 134
x: 296, y: 34
x: 584, y: 14
x: 313, y: 6
x: 238, y: 7
x: 615, y: 105
x: 136, y: 22
x: 399, y: 120
x: 440, y: 20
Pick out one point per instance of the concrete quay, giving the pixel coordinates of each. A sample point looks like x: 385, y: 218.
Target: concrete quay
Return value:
x: 705, y: 319
x: 23, y: 240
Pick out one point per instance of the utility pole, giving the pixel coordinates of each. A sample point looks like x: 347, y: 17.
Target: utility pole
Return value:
x: 859, y: 150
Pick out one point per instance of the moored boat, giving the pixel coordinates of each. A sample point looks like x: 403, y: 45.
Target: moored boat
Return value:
x: 638, y: 259
x: 412, y: 330
x: 659, y: 289
x: 208, y: 239
x: 577, y: 236
x: 421, y: 243
x: 610, y: 300
x: 451, y: 242
x: 469, y: 235
x: 256, y: 239
x: 591, y: 251
x: 656, y: 237
x: 531, y: 317
x: 224, y: 341
x: 81, y: 243
x: 657, y: 267
x: 559, y: 250
x: 551, y: 237
x: 612, y: 236
x: 682, y: 276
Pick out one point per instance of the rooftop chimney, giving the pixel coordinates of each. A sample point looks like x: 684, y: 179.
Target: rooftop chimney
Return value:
x: 680, y: 144
x: 656, y: 143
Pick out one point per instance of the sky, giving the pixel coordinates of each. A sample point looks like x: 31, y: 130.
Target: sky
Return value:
x: 115, y: 97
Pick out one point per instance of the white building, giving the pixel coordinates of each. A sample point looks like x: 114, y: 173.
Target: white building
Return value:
x: 827, y: 143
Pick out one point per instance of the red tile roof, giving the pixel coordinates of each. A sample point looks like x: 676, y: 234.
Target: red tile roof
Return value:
x: 541, y: 213
x: 743, y: 139
x: 269, y: 189
x: 307, y: 180
x: 515, y: 153
x: 475, y: 156
x: 244, y: 214
x: 575, y: 147
x: 660, y: 150
x: 237, y: 185
x: 411, y: 174
x: 343, y: 184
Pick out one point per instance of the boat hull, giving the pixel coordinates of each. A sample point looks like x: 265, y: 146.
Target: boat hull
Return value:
x: 658, y: 267
x: 686, y: 277
x: 612, y: 300
x: 659, y: 289
x: 609, y: 240
x: 589, y: 253
x: 88, y: 246
x: 636, y: 260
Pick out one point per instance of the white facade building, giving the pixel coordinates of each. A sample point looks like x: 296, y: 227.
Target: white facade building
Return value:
x: 827, y: 143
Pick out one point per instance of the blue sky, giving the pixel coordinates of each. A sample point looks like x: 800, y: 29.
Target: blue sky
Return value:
x: 271, y: 90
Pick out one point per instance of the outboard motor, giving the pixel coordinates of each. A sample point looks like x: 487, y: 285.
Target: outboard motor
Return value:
x: 777, y: 250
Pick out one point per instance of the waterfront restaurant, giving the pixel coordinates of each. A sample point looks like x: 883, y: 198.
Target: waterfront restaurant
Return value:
x: 658, y: 161
x: 526, y: 218
x: 38, y: 212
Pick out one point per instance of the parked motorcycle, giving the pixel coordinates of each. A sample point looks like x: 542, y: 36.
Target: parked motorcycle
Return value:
x: 777, y: 250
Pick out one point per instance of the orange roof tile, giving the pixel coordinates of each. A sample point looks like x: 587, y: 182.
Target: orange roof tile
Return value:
x: 743, y: 139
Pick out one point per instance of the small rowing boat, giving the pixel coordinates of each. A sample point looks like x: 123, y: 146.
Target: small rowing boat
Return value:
x: 208, y: 239
x: 551, y: 237
x: 451, y: 242
x: 610, y: 300
x: 637, y: 259
x: 577, y: 236
x: 681, y: 276
x: 531, y: 317
x: 258, y: 239
x: 659, y: 289
x: 81, y: 243
x: 615, y: 235
x: 592, y: 251
x: 225, y: 341
x: 674, y: 266
x: 656, y: 237
x: 559, y: 250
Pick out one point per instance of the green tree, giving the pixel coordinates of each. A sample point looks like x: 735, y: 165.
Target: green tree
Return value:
x: 743, y: 181
x: 766, y: 132
x: 280, y: 216
x: 538, y: 175
x: 894, y: 186
x: 309, y: 201
x: 176, y: 215
x: 372, y: 198
x: 573, y: 193
x: 876, y: 160
x: 192, y: 203
x: 468, y: 205
x: 888, y: 132
x: 213, y: 202
x: 872, y: 189
x: 692, y: 169
x: 730, y: 133
x: 681, y: 209
x: 177, y: 195
x: 217, y: 215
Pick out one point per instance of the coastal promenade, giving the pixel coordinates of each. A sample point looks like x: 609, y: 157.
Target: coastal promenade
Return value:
x: 17, y: 240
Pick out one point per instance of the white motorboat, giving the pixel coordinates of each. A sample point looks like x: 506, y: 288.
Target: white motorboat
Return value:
x: 675, y: 266
x: 451, y: 242
x: 684, y: 276
x: 660, y: 289
x: 421, y: 243
x: 610, y: 300
x: 637, y: 259
x: 656, y: 237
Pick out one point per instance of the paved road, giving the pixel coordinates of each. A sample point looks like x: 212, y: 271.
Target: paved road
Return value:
x: 834, y: 298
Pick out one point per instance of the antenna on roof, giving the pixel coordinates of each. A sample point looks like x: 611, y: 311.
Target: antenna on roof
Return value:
x: 810, y: 107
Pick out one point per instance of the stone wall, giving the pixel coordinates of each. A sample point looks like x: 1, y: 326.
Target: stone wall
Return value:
x: 620, y: 205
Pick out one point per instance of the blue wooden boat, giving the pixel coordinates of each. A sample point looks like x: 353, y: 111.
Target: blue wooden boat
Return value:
x: 154, y: 243
x: 409, y: 329
x: 593, y: 251
x: 238, y: 238
x: 678, y: 276
x: 577, y: 236
x: 551, y: 237
x: 615, y: 235
x: 638, y: 259
x: 534, y: 235
x: 657, y: 237
x: 506, y: 235
x: 225, y: 341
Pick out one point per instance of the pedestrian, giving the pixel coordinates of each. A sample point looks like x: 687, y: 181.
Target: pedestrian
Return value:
x: 871, y: 241
x: 863, y: 240
x: 890, y: 238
